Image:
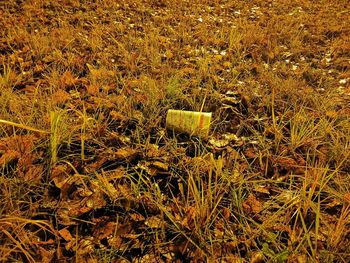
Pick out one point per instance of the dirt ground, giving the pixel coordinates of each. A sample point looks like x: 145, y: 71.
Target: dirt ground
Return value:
x: 90, y: 173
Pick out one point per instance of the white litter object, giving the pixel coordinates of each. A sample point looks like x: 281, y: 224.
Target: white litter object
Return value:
x: 191, y: 122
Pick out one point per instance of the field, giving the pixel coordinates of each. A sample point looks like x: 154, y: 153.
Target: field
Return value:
x: 89, y: 172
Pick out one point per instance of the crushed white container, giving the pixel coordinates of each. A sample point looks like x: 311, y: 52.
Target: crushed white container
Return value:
x: 191, y: 122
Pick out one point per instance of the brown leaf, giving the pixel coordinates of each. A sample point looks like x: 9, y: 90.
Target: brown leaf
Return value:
x: 160, y: 165
x: 46, y: 255
x: 226, y: 213
x: 92, y: 167
x: 18, y: 148
x: 75, y: 208
x: 262, y: 189
x: 286, y: 163
x: 187, y: 71
x: 18, y: 104
x: 257, y: 257
x: 252, y: 205
x: 149, y: 258
x: 137, y: 217
x: 8, y: 157
x: 93, y: 89
x: 250, y: 152
x: 115, y: 242
x: 125, y: 153
x: 59, y: 170
x: 65, y: 183
x: 104, y: 229
x: 85, y: 246
x: 100, y: 73
x: 96, y: 201
x: 153, y: 150
x: 117, y: 116
x: 151, y: 171
x: 154, y: 222
x: 34, y: 173
x: 60, y: 97
x: 68, y: 79
x: 65, y: 234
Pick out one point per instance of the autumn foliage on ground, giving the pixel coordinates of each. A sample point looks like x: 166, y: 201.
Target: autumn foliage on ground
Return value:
x: 89, y: 172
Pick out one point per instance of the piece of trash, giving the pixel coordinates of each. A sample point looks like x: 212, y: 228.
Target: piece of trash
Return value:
x: 190, y: 122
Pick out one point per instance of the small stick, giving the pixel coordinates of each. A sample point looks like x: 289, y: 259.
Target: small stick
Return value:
x: 22, y: 126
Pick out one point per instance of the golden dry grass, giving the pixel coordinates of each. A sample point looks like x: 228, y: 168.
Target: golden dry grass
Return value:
x: 90, y: 174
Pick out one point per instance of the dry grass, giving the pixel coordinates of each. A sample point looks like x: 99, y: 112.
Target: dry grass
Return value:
x: 90, y: 174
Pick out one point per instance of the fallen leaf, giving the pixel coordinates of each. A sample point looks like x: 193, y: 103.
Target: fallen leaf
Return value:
x: 65, y: 234
x: 104, y: 229
x: 261, y: 189
x: 137, y: 217
x: 160, y: 165
x: 46, y: 255
x: 93, y: 90
x: 257, y: 257
x: 154, y: 222
x: 60, y: 97
x: 187, y: 71
x: 149, y: 258
x: 85, y: 246
x: 252, y: 205
x: 115, y: 242
x: 67, y: 79
x: 126, y: 153
x: 18, y: 148
x: 250, y: 152
x: 8, y: 157
x: 117, y: 116
x: 34, y: 173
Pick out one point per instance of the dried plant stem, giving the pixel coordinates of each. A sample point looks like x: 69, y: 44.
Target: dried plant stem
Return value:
x: 22, y: 126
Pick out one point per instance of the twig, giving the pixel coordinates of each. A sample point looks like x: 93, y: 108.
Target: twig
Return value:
x: 23, y: 126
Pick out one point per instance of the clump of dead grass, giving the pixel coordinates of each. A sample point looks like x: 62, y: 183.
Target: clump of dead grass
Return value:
x: 101, y: 178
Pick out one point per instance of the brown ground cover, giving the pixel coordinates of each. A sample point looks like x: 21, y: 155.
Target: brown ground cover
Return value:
x: 89, y: 172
